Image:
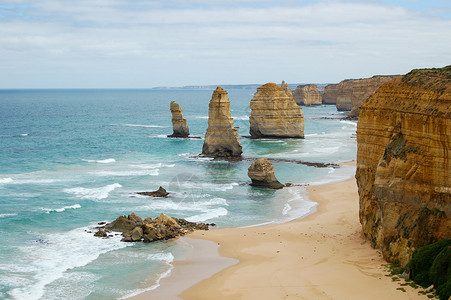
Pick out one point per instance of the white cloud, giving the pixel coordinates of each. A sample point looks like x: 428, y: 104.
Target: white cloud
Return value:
x: 118, y: 44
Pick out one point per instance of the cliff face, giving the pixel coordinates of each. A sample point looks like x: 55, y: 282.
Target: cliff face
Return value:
x: 287, y: 89
x: 179, y: 125
x: 352, y: 93
x: 404, y: 163
x: 221, y: 139
x: 274, y: 114
x: 307, y: 95
x: 330, y: 94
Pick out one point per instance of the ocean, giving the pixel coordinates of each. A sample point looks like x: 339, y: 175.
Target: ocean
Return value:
x: 72, y: 158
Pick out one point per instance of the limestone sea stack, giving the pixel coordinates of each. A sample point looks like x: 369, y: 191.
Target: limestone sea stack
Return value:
x: 287, y: 89
x: 404, y: 163
x: 261, y: 172
x: 352, y: 93
x: 307, y: 95
x: 274, y: 114
x: 330, y: 94
x: 179, y: 125
x: 221, y: 139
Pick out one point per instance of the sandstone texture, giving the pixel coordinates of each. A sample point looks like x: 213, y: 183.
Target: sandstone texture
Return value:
x: 330, y: 94
x: 352, y: 93
x: 307, y: 95
x: 261, y: 172
x: 287, y: 90
x: 135, y: 229
x: 221, y: 139
x: 274, y: 114
x: 179, y: 125
x: 404, y: 163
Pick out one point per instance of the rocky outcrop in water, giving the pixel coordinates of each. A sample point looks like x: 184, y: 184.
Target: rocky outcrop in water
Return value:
x: 161, y: 192
x: 179, y: 125
x: 261, y: 172
x: 352, y: 93
x: 274, y: 114
x: 135, y: 229
x: 221, y: 139
x: 404, y: 163
x: 307, y: 95
x: 330, y: 94
x: 287, y: 89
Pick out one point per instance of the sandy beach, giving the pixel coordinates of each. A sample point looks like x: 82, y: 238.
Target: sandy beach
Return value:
x: 323, y: 256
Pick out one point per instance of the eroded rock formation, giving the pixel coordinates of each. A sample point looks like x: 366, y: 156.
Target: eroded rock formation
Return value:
x: 307, y: 95
x: 261, y: 172
x: 352, y: 93
x: 287, y: 89
x: 179, y: 125
x: 330, y: 94
x: 274, y: 114
x: 404, y: 163
x: 135, y: 229
x: 161, y: 192
x: 221, y: 139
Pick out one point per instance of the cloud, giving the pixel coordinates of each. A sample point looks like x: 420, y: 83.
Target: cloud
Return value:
x: 146, y: 43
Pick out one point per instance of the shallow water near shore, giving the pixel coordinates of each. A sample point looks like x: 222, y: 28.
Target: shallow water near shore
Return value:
x: 72, y: 158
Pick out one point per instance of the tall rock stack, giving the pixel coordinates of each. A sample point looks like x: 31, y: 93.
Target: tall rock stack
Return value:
x: 307, y: 95
x: 352, y: 93
x: 330, y: 94
x: 404, y: 163
x: 287, y: 89
x: 274, y: 114
x: 221, y: 139
x: 179, y: 125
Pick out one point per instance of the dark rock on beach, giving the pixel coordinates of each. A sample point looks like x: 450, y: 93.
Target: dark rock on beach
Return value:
x: 161, y: 192
x: 135, y: 229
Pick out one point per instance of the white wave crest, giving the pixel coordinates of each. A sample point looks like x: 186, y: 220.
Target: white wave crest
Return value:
x: 6, y: 180
x: 214, y: 213
x: 102, y: 161
x: 151, y: 172
x: 7, y: 215
x: 144, y: 126
x: 349, y: 122
x: 49, y: 210
x: 93, y: 193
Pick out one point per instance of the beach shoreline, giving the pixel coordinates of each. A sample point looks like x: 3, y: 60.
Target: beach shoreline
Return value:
x: 321, y: 256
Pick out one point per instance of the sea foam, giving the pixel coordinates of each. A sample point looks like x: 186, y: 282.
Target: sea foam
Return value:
x: 93, y: 193
x: 50, y: 210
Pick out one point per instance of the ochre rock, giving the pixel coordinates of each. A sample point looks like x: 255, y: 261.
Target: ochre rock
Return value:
x: 352, y: 93
x: 261, y: 172
x: 274, y: 114
x: 404, y: 163
x: 287, y: 89
x: 179, y: 125
x: 221, y: 139
x: 307, y: 95
x: 330, y: 94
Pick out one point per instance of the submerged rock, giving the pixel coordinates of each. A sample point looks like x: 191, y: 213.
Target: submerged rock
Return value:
x: 274, y: 114
x: 262, y: 174
x: 161, y: 192
x: 221, y: 139
x: 135, y: 229
x: 179, y: 125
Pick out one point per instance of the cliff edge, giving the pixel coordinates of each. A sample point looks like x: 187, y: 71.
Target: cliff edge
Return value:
x: 404, y: 165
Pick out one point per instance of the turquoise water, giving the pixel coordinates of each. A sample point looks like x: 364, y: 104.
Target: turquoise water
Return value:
x: 72, y: 158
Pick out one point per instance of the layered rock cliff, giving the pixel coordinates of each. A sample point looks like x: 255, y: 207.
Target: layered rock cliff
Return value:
x: 221, y: 139
x: 330, y: 94
x: 274, y: 114
x: 287, y: 89
x: 352, y: 93
x: 307, y: 95
x: 261, y: 172
x: 179, y: 125
x: 404, y: 163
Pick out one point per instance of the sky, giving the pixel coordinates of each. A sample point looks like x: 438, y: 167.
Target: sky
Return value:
x: 148, y: 43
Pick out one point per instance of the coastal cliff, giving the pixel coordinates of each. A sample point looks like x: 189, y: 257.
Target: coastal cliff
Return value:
x: 352, y: 93
x: 307, y: 95
x: 330, y: 94
x: 274, y: 114
x: 221, y: 139
x: 287, y: 89
x: 404, y: 165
